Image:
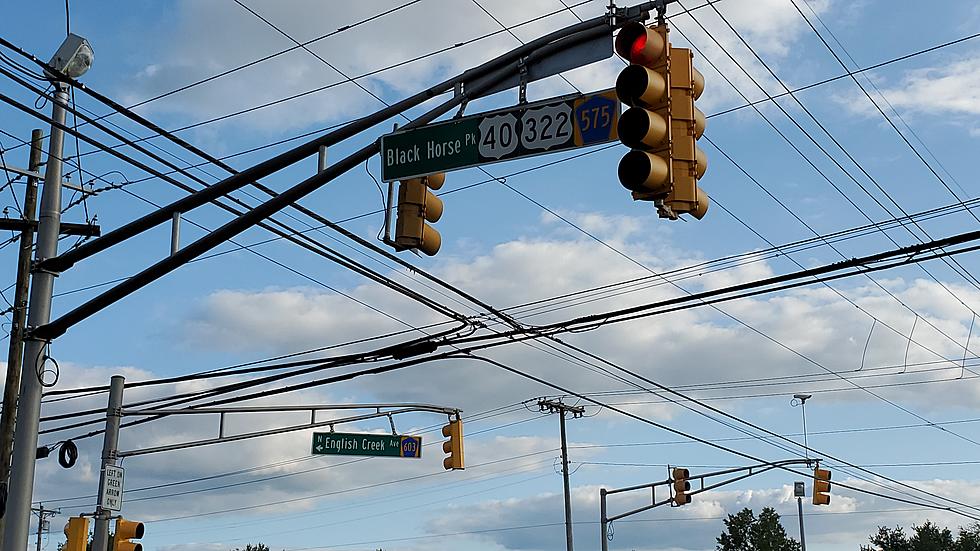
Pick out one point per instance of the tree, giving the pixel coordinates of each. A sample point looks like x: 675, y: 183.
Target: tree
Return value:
x: 257, y: 547
x: 925, y: 537
x: 745, y: 532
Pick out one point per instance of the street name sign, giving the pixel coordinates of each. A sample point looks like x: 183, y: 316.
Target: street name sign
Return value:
x: 526, y: 130
x: 377, y: 445
x: 112, y: 490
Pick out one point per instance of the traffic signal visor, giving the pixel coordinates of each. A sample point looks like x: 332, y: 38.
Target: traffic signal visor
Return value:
x: 127, y: 530
x: 453, y: 446
x: 821, y: 486
x: 638, y: 44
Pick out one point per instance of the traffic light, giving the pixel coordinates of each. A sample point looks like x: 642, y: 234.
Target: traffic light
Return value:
x: 453, y: 446
x: 77, y: 533
x: 416, y: 205
x: 821, y: 486
x: 127, y: 530
x: 681, y: 486
x: 662, y: 124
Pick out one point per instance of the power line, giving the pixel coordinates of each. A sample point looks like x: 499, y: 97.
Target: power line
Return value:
x: 809, y: 161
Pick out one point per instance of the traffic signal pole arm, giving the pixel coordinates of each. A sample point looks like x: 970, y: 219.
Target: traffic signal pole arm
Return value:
x: 539, y: 48
x: 752, y: 471
x: 485, y: 73
x: 393, y: 409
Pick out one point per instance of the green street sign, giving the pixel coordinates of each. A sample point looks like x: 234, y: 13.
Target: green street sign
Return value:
x: 377, y: 445
x: 527, y: 130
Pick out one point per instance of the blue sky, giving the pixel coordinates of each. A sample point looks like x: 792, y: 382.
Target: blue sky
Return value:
x: 878, y: 393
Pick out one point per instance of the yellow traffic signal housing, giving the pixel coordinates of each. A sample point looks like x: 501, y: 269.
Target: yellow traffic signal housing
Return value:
x: 453, y: 446
x: 821, y: 486
x: 688, y: 162
x: 127, y: 530
x: 416, y: 205
x: 681, y: 486
x: 662, y: 124
x: 77, y: 533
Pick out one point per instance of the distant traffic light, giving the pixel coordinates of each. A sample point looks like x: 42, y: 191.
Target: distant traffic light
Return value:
x: 821, y: 486
x: 416, y: 205
x: 662, y: 124
x: 453, y: 446
x: 77, y: 533
x: 127, y: 530
x: 681, y: 486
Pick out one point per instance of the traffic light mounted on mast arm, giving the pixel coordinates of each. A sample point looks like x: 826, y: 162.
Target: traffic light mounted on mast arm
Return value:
x: 416, y: 205
x: 127, y: 530
x: 662, y: 125
x: 821, y: 486
x: 453, y: 446
x: 681, y: 486
x: 76, y: 532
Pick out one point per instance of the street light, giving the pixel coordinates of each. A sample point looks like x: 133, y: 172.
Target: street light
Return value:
x: 798, y: 488
x: 74, y: 57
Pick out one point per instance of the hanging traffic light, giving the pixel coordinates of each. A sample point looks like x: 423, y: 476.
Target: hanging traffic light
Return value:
x: 416, y: 205
x: 127, y: 530
x: 453, y: 446
x: 662, y: 124
x: 681, y: 486
x: 76, y: 532
x: 821, y: 486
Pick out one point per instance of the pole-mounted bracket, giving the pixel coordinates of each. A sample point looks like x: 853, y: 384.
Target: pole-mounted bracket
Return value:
x: 522, y: 80
x: 459, y: 91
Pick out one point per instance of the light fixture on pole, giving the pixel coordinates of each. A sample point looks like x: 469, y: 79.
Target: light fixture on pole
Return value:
x: 800, y: 399
x: 73, y: 58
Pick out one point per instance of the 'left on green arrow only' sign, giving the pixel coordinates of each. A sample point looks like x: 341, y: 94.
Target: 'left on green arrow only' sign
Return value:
x: 376, y: 445
x: 547, y: 126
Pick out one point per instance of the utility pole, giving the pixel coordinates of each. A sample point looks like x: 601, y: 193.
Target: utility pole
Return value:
x: 21, y: 288
x: 42, y: 522
x: 21, y: 486
x: 110, y: 443
x: 552, y: 406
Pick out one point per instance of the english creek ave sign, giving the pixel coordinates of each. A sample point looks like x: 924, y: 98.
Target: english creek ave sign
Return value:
x: 515, y: 132
x: 378, y: 445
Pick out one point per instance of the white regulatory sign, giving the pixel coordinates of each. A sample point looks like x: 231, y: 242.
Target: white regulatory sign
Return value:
x: 112, y: 490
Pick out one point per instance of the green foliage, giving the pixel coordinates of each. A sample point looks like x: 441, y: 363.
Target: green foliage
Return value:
x: 926, y: 537
x: 745, y: 532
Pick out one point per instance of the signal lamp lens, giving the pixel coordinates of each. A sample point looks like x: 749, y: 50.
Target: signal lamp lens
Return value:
x: 636, y: 48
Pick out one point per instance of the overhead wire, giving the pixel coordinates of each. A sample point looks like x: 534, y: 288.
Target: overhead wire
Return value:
x: 810, y: 162
x: 710, y: 443
x: 881, y: 111
x: 960, y: 271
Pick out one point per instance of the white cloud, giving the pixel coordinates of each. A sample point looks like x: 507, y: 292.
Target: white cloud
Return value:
x: 850, y: 518
x: 949, y: 89
x: 193, y: 46
x: 812, y: 321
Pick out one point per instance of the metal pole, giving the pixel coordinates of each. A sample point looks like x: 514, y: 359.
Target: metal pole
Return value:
x: 604, y: 524
x: 175, y: 233
x: 806, y: 446
x: 15, y: 355
x: 799, y: 502
x: 564, y: 473
x: 321, y: 159
x: 19, y: 495
x: 100, y: 539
